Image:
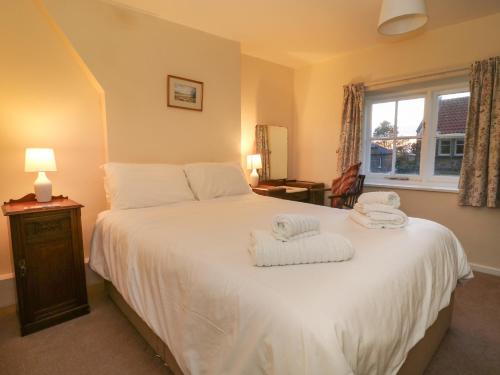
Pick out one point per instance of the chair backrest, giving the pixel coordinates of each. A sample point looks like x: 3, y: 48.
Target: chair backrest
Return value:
x: 355, y: 191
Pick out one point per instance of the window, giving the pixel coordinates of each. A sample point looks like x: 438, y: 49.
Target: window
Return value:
x: 459, y: 147
x: 396, y: 136
x: 450, y: 132
x: 444, y: 147
x: 416, y: 138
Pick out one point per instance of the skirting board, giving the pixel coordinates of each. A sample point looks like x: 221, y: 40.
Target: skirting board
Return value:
x: 8, y: 286
x: 7, y: 292
x: 485, y: 269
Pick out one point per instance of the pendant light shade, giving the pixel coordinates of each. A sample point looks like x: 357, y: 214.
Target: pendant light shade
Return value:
x: 401, y: 16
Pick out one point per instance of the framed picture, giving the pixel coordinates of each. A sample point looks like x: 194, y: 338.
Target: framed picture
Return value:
x: 184, y: 93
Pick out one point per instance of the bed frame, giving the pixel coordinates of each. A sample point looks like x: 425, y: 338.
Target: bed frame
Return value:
x: 416, y: 362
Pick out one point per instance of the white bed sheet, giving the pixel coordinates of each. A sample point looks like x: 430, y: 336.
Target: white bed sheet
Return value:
x: 185, y: 269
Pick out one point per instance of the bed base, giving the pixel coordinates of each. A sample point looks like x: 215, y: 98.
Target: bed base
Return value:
x: 416, y: 362
x: 420, y: 355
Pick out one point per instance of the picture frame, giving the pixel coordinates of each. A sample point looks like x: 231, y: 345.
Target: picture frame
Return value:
x: 184, y: 93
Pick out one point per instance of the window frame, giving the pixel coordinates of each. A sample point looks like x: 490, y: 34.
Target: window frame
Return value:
x: 441, y: 153
x: 426, y: 179
x: 455, y: 153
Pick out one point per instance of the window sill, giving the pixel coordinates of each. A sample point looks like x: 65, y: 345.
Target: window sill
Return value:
x: 412, y: 185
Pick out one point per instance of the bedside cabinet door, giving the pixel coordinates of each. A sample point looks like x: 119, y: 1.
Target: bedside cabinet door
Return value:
x: 52, y: 274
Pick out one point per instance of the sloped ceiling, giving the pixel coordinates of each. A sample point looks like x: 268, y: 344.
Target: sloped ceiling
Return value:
x: 299, y: 32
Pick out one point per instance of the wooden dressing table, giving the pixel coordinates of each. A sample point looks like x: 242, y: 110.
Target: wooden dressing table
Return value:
x: 294, y: 190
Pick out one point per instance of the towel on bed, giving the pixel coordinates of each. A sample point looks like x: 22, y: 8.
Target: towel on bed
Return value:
x: 327, y: 247
x: 371, y: 209
x: 289, y: 227
x: 378, y: 220
x: 388, y: 198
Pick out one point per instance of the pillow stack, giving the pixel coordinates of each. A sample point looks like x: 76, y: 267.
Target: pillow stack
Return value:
x: 213, y: 180
x: 130, y: 185
x: 145, y: 185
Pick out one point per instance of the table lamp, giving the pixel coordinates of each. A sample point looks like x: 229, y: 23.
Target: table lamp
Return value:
x: 254, y: 162
x: 41, y: 160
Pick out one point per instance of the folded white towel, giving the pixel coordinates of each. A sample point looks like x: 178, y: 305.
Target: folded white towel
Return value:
x: 377, y: 220
x: 370, y: 209
x: 289, y: 227
x: 327, y: 247
x: 388, y: 198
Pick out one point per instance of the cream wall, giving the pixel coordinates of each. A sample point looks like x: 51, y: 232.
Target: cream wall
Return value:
x: 266, y: 99
x: 47, y: 99
x: 131, y: 54
x: 318, y: 96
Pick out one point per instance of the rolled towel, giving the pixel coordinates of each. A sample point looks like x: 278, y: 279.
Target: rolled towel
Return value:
x: 378, y: 220
x: 289, y: 227
x: 388, y: 198
x: 327, y: 247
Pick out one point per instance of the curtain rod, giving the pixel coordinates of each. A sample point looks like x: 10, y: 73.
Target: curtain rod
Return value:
x: 449, y: 73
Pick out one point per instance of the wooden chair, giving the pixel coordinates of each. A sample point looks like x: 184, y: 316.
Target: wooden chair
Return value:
x: 350, y: 198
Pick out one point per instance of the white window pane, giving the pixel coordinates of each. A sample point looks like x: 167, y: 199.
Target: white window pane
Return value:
x: 452, y: 113
x: 444, y: 146
x: 447, y: 160
x: 381, y: 156
x: 408, y: 156
x: 382, y: 117
x: 459, y: 147
x: 452, y: 118
x: 410, y: 117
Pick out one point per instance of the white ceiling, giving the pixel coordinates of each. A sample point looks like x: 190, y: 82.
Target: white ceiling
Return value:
x: 298, y: 32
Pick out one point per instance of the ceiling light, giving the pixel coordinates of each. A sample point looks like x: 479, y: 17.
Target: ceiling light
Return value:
x: 401, y: 16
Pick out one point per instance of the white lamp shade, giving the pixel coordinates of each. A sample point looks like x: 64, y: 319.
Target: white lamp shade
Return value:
x: 40, y: 160
x: 401, y: 16
x: 254, y: 161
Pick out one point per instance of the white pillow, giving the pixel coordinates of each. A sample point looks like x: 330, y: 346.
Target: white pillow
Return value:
x: 145, y: 185
x: 212, y: 180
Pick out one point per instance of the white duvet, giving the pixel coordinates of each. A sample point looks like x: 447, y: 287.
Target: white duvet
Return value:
x: 185, y: 269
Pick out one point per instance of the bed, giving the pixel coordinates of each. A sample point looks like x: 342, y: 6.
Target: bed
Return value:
x: 183, y: 273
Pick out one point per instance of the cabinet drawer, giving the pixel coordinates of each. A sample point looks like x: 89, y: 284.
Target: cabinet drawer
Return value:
x: 301, y: 196
x: 39, y: 229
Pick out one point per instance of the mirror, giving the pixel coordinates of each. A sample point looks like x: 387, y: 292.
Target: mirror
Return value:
x: 271, y: 142
x: 278, y: 152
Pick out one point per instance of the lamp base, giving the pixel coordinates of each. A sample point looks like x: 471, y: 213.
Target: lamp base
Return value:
x: 43, y: 188
x: 254, y: 178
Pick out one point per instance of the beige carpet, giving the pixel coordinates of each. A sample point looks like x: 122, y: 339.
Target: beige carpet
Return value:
x: 472, y: 345
x: 103, y: 342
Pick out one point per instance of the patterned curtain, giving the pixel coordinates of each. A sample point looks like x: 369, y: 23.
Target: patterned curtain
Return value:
x: 352, y: 117
x: 479, y: 176
x: 262, y: 148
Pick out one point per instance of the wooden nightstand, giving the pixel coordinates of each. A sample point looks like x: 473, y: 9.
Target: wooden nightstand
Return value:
x: 48, y: 261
